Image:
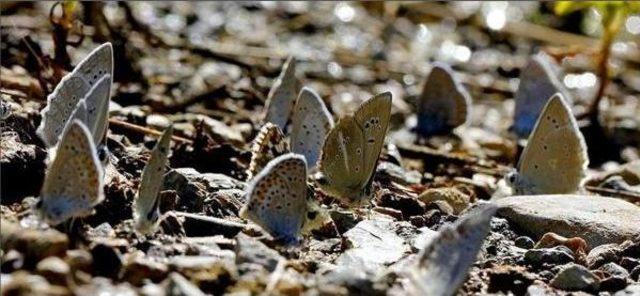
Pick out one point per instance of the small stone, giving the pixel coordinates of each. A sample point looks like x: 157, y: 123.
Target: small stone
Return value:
x: 614, y: 270
x: 250, y: 250
x: 630, y: 290
x: 612, y: 284
x: 601, y: 255
x: 442, y: 206
x: 106, y: 260
x: 458, y: 200
x: 200, y: 225
x: 35, y: 245
x: 12, y: 261
x: 556, y: 256
x: 630, y: 248
x: 629, y: 263
x: 137, y: 269
x: 54, y: 269
x: 524, y: 242
x: 23, y: 283
x: 635, y: 273
x: 180, y: 286
x: 79, y: 260
x: 575, y: 277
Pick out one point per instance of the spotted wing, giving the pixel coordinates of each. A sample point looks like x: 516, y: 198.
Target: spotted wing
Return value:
x: 443, y: 264
x: 372, y: 119
x: 60, y: 105
x: 311, y: 122
x: 555, y: 158
x: 268, y: 144
x: 98, y: 108
x: 73, y: 182
x: 277, y: 197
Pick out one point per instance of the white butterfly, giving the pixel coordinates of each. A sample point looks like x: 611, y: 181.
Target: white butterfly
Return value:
x: 538, y: 82
x: 555, y: 158
x: 282, y: 95
x: 73, y: 182
x: 443, y: 264
x: 277, y: 198
x: 75, y: 86
x: 311, y: 121
x: 352, y: 148
x: 147, y: 213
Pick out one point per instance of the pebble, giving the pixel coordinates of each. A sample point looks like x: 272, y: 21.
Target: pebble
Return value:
x: 200, y: 225
x: 601, y: 255
x: 614, y: 270
x: 179, y: 286
x: 54, y: 269
x: 250, y: 250
x: 556, y: 255
x: 630, y: 290
x: 35, y: 245
x: 574, y: 277
x: 137, y: 269
x: 79, y: 259
x: 458, y: 200
x: 106, y: 260
x: 524, y: 242
x: 12, y: 261
x: 373, y: 244
x: 598, y: 220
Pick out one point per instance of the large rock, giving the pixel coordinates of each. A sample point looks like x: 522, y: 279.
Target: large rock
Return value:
x: 598, y: 220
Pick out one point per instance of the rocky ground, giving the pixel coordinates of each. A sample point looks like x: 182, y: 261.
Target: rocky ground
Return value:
x: 207, y: 67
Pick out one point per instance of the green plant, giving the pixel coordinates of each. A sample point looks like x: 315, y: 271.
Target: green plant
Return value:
x: 613, y: 15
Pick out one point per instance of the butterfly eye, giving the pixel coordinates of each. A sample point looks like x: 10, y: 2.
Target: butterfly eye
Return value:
x: 511, y: 178
x: 39, y: 204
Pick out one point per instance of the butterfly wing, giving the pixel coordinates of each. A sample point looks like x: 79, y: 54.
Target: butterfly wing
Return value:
x: 444, y: 103
x: 555, y: 158
x: 60, y: 104
x: 269, y: 144
x: 277, y: 197
x: 146, y: 202
x: 98, y: 108
x: 342, y: 160
x: 311, y: 122
x: 73, y: 183
x: 282, y: 95
x: 373, y: 120
x: 96, y: 65
x: 443, y: 264
x: 538, y: 82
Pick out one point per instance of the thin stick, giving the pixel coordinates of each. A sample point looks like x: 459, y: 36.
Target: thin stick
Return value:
x: 145, y: 130
x: 613, y: 192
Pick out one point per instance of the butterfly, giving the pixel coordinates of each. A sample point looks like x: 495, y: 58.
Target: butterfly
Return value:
x: 74, y: 87
x: 73, y: 182
x: 282, y: 96
x: 277, y: 198
x: 351, y: 150
x: 538, y: 82
x: 444, y: 103
x: 97, y: 100
x: 443, y: 264
x: 147, y: 213
x: 555, y: 158
x: 268, y: 144
x: 311, y: 121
